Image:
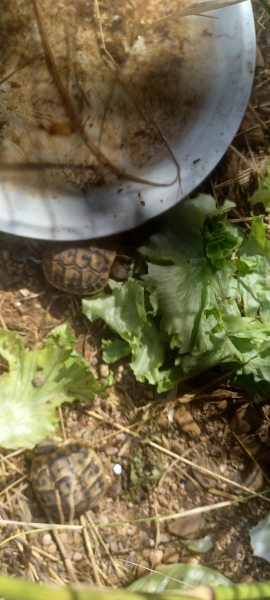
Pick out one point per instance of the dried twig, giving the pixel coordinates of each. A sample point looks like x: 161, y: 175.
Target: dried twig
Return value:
x: 197, y: 8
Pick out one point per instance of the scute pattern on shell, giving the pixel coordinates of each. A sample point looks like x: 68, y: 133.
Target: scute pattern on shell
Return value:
x: 68, y: 479
x: 78, y: 270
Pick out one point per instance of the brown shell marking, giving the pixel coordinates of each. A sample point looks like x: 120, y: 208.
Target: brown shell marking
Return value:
x: 68, y: 479
x: 78, y: 270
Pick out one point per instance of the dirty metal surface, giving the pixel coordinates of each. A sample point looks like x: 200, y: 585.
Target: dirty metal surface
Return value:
x: 188, y: 80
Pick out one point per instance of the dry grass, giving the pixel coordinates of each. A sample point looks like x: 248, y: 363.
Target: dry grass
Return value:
x: 238, y: 174
x: 25, y: 537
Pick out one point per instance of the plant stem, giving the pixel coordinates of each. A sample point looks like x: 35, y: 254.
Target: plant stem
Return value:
x: 19, y: 589
x: 243, y: 591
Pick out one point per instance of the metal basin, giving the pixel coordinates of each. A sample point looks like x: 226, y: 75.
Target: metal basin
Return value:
x: 216, y: 81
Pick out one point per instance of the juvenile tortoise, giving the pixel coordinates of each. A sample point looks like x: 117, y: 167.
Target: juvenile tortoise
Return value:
x: 67, y: 478
x: 83, y: 270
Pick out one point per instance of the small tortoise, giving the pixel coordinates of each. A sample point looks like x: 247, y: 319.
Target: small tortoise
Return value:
x: 68, y: 478
x: 83, y: 270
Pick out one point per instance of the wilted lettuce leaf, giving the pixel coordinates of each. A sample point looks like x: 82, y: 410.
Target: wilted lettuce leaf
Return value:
x: 204, y: 301
x: 36, y: 382
x: 260, y: 538
x: 178, y: 576
x: 199, y: 546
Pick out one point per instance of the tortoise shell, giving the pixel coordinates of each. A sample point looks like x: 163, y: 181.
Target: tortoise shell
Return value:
x: 75, y: 270
x: 68, y: 478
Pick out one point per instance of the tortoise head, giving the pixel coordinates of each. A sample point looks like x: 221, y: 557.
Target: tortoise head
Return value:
x: 121, y: 267
x: 46, y: 446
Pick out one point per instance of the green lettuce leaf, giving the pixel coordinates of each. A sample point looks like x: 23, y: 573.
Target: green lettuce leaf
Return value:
x: 114, y: 350
x: 221, y: 239
x: 125, y: 313
x: 37, y: 382
x: 187, y: 219
x: 173, y: 289
x: 253, y: 267
x: 179, y: 576
x: 204, y: 301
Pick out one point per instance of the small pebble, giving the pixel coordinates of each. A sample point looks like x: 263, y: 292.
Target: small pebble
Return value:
x: 117, y: 469
x: 24, y: 292
x: 143, y: 568
x: 186, y: 527
x: 47, y: 539
x: 77, y: 556
x: 119, y: 373
x: 111, y: 450
x: 223, y: 469
x: 235, y: 549
x: 114, y: 547
x: 103, y: 520
x: 116, y: 20
x: 131, y: 530
x: 164, y: 538
x: 184, y: 420
x: 104, y: 370
x: 121, y: 437
x: 52, y: 549
x: 155, y: 557
x: 163, y: 501
x: 193, y: 561
x: 222, y: 405
x: 170, y: 415
x: 144, y: 536
x: 170, y: 556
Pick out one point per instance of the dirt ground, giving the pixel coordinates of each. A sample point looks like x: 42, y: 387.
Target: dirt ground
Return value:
x: 208, y: 424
